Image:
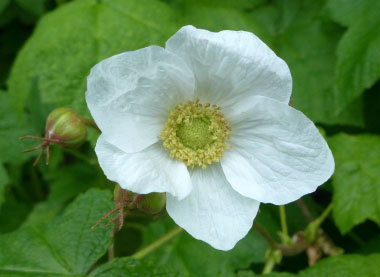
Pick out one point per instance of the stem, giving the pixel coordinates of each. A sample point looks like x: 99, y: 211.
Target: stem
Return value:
x: 80, y: 156
x: 313, y: 227
x: 301, y: 204
x: 134, y: 225
x: 111, y: 249
x: 323, y: 216
x: 268, y: 267
x: 356, y: 238
x: 284, y: 226
x: 264, y: 234
x: 157, y: 243
x: 90, y: 123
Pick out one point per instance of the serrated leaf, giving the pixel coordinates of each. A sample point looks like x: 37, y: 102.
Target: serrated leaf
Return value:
x: 191, y: 257
x: 65, y: 247
x: 356, y: 180
x: 130, y: 267
x: 68, y: 41
x: 358, y: 66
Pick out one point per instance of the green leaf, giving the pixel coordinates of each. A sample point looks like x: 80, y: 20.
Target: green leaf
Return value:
x: 12, y: 37
x: 237, y: 4
x: 65, y: 182
x: 279, y: 274
x: 130, y: 267
x: 3, y: 5
x: 356, y: 180
x: 65, y: 247
x: 179, y: 255
x: 218, y: 19
x: 358, y: 66
x: 68, y: 41
x: 13, y: 212
x: 4, y: 179
x: 340, y: 266
x: 11, y: 128
x: 307, y: 42
x: 35, y: 7
x: 372, y: 246
x: 345, y: 266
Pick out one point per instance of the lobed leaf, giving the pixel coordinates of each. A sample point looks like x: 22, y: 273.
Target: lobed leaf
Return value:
x: 66, y: 247
x: 68, y: 41
x: 358, y: 65
x: 191, y: 257
x: 356, y: 180
x: 130, y: 267
x: 340, y: 266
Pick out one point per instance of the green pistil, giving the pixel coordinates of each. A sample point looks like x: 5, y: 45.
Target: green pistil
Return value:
x: 195, y: 134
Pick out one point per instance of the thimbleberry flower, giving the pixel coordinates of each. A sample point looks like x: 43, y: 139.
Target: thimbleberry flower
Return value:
x: 206, y: 120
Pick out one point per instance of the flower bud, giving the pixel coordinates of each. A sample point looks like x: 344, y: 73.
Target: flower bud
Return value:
x: 66, y: 128
x: 63, y: 127
x: 152, y: 203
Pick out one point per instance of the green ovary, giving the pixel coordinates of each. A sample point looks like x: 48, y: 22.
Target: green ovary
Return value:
x: 195, y: 134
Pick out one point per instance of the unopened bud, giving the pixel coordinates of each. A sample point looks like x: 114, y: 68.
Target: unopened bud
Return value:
x: 66, y: 128
x: 63, y: 127
x: 152, y: 203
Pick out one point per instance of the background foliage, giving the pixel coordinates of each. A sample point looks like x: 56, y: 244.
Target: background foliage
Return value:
x: 46, y: 51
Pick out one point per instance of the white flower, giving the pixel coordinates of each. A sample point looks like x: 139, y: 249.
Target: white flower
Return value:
x: 158, y: 130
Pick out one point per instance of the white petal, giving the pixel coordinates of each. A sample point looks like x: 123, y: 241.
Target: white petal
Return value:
x: 151, y: 170
x: 231, y: 66
x: 277, y: 155
x: 213, y: 212
x: 130, y: 95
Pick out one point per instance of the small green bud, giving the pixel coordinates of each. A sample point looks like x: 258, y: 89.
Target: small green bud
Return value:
x: 63, y: 127
x: 152, y: 203
x: 66, y: 128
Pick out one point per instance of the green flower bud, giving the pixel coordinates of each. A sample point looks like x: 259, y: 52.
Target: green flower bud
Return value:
x: 66, y: 128
x: 63, y: 127
x: 152, y: 203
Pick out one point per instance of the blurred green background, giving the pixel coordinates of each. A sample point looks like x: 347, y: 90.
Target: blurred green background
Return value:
x: 47, y: 48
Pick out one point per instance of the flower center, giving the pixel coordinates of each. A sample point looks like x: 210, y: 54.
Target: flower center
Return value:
x: 196, y: 134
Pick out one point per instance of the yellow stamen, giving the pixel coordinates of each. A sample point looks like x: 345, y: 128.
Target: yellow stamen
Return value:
x: 196, y: 134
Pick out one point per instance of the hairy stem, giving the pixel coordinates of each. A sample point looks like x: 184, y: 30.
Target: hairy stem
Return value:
x: 157, y: 243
